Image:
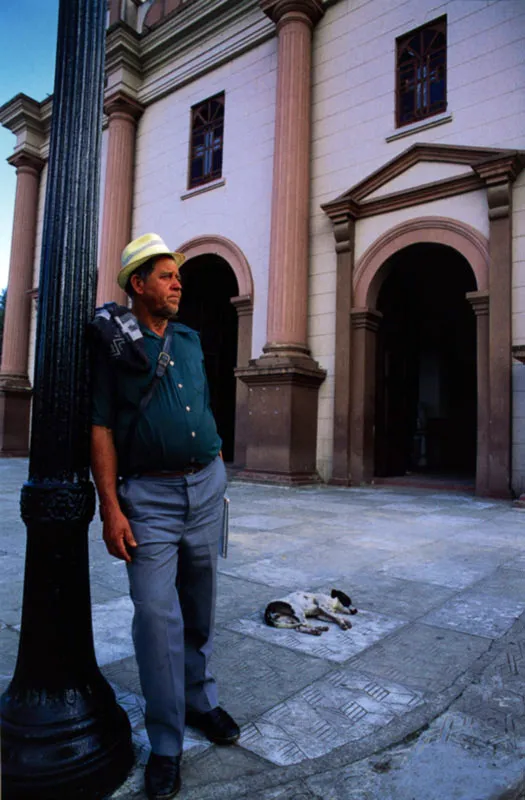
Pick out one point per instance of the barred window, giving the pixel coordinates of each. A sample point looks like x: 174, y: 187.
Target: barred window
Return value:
x: 421, y: 73
x: 207, y: 130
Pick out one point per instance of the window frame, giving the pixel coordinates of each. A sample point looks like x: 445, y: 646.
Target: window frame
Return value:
x: 440, y: 27
x: 212, y: 175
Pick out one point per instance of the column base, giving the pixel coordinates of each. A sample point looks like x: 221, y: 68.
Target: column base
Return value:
x: 15, y: 412
x: 340, y: 482
x: 282, y: 419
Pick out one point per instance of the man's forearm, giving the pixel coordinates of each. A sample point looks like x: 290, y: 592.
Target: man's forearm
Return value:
x: 104, y: 466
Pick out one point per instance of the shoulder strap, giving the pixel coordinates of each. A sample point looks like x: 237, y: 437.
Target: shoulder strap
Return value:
x: 163, y: 360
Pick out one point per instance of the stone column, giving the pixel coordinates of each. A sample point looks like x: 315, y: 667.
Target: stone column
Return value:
x: 283, y: 383
x: 480, y: 304
x: 15, y: 388
x: 288, y: 285
x: 244, y: 308
x: 365, y: 323
x: 123, y: 113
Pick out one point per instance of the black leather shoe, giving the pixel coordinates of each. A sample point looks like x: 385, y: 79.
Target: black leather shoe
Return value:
x: 216, y: 725
x: 162, y: 777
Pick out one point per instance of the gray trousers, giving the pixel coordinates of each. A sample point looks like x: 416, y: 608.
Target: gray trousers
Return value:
x: 177, y: 524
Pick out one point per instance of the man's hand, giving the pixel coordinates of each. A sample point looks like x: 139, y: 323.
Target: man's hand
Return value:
x: 117, y: 535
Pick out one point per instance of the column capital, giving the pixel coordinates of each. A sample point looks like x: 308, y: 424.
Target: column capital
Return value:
x: 25, y: 160
x: 243, y: 304
x: 479, y: 302
x: 367, y: 318
x: 277, y: 10
x: 120, y: 102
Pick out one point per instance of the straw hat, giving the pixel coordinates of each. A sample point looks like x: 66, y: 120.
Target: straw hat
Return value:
x: 140, y: 250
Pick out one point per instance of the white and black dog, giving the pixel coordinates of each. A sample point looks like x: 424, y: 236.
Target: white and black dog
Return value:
x: 294, y: 610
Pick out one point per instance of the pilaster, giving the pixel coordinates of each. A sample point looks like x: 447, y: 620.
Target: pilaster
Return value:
x: 244, y: 307
x: 480, y: 302
x: 365, y: 323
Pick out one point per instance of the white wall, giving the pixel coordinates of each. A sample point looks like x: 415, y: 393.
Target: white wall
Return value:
x: 353, y: 116
x: 239, y: 210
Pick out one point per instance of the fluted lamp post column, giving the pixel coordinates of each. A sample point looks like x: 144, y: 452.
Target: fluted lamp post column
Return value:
x: 63, y: 734
x: 15, y: 388
x: 283, y: 383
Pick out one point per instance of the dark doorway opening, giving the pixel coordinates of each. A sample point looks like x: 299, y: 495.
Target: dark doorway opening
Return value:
x: 208, y: 283
x: 426, y: 391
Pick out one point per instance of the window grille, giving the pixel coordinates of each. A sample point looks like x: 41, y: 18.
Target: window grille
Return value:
x: 207, y: 133
x: 422, y: 72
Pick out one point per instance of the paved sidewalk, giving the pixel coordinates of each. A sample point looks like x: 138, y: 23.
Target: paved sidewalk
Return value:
x: 423, y: 698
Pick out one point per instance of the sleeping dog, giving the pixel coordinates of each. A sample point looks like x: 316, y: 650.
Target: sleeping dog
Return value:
x: 294, y: 610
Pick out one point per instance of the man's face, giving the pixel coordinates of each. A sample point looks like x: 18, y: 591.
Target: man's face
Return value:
x: 160, y: 292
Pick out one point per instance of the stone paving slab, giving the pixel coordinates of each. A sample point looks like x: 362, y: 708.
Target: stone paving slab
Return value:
x: 477, y: 614
x: 334, y: 711
x: 446, y: 563
x: 375, y: 591
x: 112, y: 629
x: 254, y: 676
x: 309, y: 566
x: 240, y: 598
x: 422, y: 656
x: 448, y: 762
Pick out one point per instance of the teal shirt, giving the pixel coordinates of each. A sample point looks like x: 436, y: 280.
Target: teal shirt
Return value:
x: 177, y: 429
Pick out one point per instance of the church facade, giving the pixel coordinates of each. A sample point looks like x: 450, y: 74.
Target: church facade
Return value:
x: 346, y: 179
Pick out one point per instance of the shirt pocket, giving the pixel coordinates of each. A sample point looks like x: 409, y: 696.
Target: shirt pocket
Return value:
x: 197, y: 375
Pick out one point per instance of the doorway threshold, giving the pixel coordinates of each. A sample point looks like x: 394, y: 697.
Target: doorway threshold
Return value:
x: 445, y: 483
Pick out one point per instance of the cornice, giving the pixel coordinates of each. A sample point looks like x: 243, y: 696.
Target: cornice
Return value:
x: 276, y: 10
x: 122, y: 46
x: 22, y: 112
x: 488, y: 167
x: 189, y: 27
x: 502, y: 167
x: 168, y: 45
x: 30, y: 121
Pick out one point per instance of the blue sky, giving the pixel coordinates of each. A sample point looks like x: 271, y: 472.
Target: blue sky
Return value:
x: 28, y: 30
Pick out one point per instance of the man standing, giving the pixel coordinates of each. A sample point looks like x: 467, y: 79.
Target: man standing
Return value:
x: 154, y: 435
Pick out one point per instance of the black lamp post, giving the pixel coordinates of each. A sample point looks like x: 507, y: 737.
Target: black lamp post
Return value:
x: 63, y: 734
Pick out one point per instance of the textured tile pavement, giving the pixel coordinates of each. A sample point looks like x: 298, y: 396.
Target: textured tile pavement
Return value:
x: 423, y: 697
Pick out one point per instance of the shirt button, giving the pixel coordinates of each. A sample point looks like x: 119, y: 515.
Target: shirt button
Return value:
x: 193, y: 434
x: 179, y: 385
x: 188, y: 408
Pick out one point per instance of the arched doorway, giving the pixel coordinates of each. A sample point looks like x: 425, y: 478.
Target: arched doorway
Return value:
x: 426, y: 390
x: 208, y: 284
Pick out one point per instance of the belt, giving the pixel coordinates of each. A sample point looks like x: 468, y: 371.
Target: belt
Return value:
x: 179, y: 473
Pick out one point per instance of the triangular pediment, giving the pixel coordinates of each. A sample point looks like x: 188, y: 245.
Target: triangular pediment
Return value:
x: 418, y: 175
x: 422, y: 173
